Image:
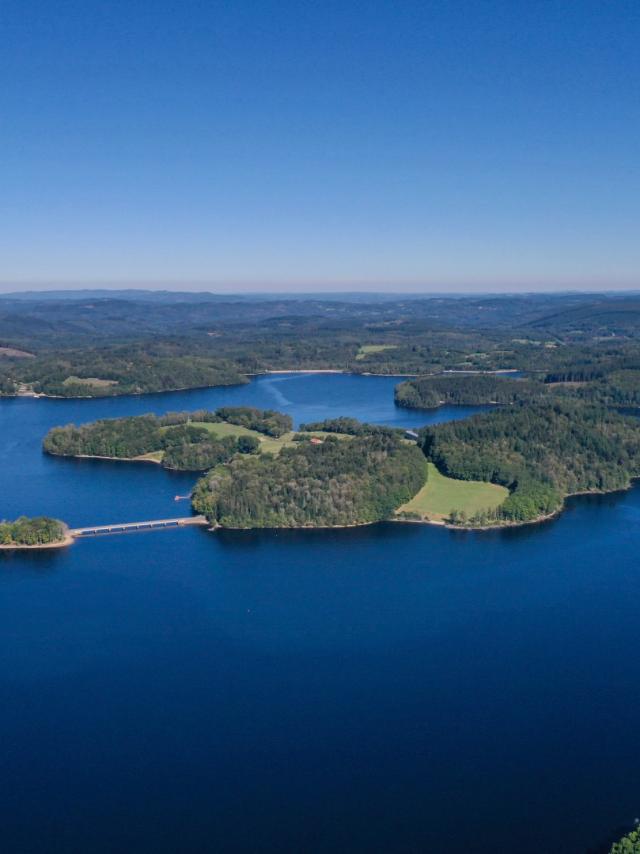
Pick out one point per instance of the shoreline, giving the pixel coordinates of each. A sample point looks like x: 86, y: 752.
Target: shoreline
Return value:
x: 69, y: 539
x: 302, y: 371
x: 498, y: 526
x: 503, y: 525
x: 35, y: 395
x: 140, y: 459
x: 218, y: 527
x: 60, y: 544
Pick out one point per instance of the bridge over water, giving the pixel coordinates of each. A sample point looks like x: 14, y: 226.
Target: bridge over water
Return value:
x: 149, y: 525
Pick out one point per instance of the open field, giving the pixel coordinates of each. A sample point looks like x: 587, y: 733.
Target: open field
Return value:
x: 440, y: 495
x: 89, y: 381
x: 220, y: 429
x: 366, y: 349
x: 269, y: 444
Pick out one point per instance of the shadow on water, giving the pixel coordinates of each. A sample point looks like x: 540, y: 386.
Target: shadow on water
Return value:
x: 37, y: 562
x: 296, y: 538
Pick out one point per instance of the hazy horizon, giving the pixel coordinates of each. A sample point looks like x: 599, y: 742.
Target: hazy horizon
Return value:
x: 312, y: 289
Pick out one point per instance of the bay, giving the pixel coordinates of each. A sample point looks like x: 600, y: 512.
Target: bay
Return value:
x: 389, y: 688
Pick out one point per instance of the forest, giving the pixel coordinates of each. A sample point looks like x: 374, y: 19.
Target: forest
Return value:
x: 39, y: 530
x: 351, y: 427
x: 182, y: 439
x: 465, y: 390
x: 102, y: 344
x: 541, y: 451
x: 334, y: 483
x: 617, y: 388
x: 114, y: 371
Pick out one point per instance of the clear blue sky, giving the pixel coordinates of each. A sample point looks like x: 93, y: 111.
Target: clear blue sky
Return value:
x: 290, y: 145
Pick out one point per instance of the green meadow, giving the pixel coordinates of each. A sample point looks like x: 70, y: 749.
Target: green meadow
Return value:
x: 268, y: 444
x: 367, y: 349
x: 440, y: 495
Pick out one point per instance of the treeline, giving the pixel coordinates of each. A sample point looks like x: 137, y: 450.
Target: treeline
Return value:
x: 25, y: 531
x: 111, y: 347
x: 541, y: 452
x: 350, y: 427
x: 184, y: 444
x: 332, y: 484
x: 629, y: 844
x: 96, y: 345
x: 619, y: 388
x: 206, y: 452
x: 267, y: 421
x: 464, y: 390
x: 108, y: 372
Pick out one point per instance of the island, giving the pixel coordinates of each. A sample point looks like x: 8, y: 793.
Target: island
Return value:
x: 39, y: 532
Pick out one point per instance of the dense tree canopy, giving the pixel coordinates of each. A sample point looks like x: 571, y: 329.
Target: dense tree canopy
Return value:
x: 109, y: 372
x: 330, y: 484
x: 541, y: 452
x: 464, y: 390
x: 39, y: 530
x: 629, y: 844
x: 105, y: 344
x: 185, y: 443
x: 266, y: 421
x: 350, y: 427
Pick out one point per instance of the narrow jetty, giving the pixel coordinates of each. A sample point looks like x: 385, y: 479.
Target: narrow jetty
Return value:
x: 149, y: 525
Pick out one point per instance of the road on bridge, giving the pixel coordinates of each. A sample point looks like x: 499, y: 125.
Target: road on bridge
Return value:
x: 150, y: 525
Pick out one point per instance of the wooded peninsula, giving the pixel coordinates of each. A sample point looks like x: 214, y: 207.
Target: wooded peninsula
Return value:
x: 514, y: 464
x: 183, y: 441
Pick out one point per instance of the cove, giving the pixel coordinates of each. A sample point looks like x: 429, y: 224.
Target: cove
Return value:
x: 395, y: 687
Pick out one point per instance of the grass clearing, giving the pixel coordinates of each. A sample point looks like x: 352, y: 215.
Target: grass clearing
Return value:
x: 440, y: 495
x: 268, y: 444
x: 274, y: 446
x: 220, y: 429
x: 89, y: 381
x: 367, y: 349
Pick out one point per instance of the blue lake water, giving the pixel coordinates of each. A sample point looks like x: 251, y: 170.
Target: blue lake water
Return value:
x: 389, y: 688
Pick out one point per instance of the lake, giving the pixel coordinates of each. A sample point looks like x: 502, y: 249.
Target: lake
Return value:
x: 388, y: 688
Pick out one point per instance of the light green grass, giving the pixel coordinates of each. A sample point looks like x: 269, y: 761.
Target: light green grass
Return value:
x: 274, y: 446
x: 220, y: 429
x: 268, y: 444
x: 366, y: 349
x: 89, y: 381
x: 440, y: 495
